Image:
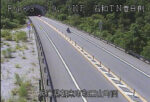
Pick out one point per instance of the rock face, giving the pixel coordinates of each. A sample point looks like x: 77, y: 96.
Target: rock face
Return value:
x: 24, y: 62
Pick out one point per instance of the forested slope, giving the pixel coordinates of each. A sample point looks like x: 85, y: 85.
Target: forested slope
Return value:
x: 130, y: 30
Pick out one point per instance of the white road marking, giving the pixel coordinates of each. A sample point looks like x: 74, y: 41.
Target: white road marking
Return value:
x: 67, y: 68
x: 114, y: 78
x: 87, y: 57
x: 112, y: 54
x: 128, y: 93
x: 120, y: 85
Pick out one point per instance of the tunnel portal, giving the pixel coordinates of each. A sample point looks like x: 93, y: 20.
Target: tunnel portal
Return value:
x: 35, y: 10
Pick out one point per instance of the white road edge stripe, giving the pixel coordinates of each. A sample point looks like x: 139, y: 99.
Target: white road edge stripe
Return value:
x: 74, y: 81
x: 114, y: 55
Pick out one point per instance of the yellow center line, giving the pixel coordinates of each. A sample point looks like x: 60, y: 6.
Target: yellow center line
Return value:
x: 79, y: 49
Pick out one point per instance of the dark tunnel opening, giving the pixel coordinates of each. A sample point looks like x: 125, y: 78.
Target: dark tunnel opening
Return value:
x: 34, y: 12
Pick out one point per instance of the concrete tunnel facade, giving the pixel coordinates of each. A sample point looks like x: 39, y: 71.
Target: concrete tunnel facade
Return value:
x: 35, y: 10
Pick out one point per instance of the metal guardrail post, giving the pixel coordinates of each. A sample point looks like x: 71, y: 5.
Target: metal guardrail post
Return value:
x: 93, y: 57
x: 43, y: 59
x: 100, y: 63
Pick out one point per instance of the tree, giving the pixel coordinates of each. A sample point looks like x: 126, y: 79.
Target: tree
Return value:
x: 146, y: 51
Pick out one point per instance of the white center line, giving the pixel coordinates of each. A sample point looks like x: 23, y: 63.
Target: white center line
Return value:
x: 67, y: 68
x: 89, y: 57
x: 110, y: 53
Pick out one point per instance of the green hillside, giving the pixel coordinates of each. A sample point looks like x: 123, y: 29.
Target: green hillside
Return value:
x: 129, y: 30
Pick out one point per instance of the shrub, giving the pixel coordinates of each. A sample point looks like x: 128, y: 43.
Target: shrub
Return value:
x: 2, y: 60
x: 33, y: 64
x: 13, y: 50
x: 5, y: 33
x: 62, y: 17
x: 18, y: 47
x: 25, y: 47
x: 23, y: 90
x: 6, y: 23
x: 13, y: 25
x: 20, y: 36
x: 4, y: 53
x: 24, y: 57
x: 11, y: 100
x: 7, y: 44
x: 22, y: 99
x: 18, y: 79
x: 14, y: 91
x: 17, y: 66
x: 146, y: 51
x: 9, y: 38
x: 7, y: 53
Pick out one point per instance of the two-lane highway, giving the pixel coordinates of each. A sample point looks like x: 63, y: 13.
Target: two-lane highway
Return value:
x: 70, y: 70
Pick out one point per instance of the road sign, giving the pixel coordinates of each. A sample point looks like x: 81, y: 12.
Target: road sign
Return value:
x: 29, y: 25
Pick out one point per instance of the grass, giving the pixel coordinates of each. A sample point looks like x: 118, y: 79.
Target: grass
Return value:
x: 2, y: 60
x: 9, y: 38
x: 11, y: 100
x: 2, y: 99
x: 20, y: 36
x: 7, y: 44
x: 2, y: 43
x: 25, y: 47
x: 33, y: 64
x: 19, y: 99
x: 17, y: 66
x: 7, y: 60
x: 7, y: 35
x: 33, y: 51
x: 13, y: 49
x: 22, y: 99
x: 14, y: 91
x: 18, y: 47
x: 32, y: 69
x: 7, y: 53
x: 21, y: 48
x: 23, y: 90
x: 4, y: 53
x: 24, y: 57
x: 18, y: 79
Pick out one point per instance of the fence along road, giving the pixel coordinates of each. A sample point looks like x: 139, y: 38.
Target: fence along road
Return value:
x: 55, y: 35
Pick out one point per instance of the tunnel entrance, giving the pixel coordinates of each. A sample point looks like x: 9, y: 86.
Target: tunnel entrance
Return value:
x: 35, y: 10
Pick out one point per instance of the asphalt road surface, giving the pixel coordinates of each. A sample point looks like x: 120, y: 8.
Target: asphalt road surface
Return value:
x: 70, y: 70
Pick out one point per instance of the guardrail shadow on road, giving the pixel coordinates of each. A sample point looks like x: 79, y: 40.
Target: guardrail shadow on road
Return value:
x: 45, y: 84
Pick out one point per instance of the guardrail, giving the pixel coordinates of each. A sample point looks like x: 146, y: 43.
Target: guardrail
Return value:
x: 114, y: 45
x: 126, y: 51
x: 45, y: 84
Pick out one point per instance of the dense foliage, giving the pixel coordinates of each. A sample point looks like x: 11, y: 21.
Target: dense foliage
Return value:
x: 15, y: 17
x: 130, y: 31
x: 10, y: 19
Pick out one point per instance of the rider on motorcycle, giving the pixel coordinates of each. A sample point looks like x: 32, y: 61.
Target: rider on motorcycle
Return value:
x: 68, y: 30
